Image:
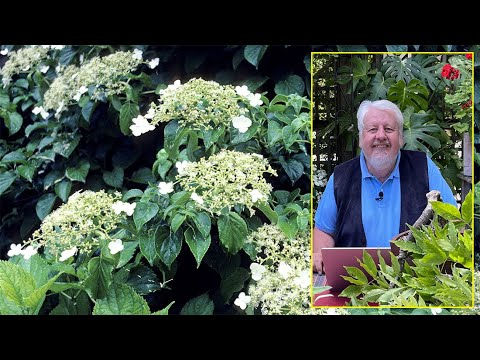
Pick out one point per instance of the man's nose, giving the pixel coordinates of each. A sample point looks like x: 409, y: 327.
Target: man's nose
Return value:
x: 381, y: 134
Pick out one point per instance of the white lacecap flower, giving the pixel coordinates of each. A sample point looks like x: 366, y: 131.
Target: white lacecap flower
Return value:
x: 303, y: 280
x: 176, y: 84
x: 44, y: 69
x: 197, y: 198
x: 67, y: 254
x: 115, y: 246
x: 153, y: 63
x: 4, y: 52
x: 15, y: 250
x: 284, y: 269
x: 129, y: 208
x: 58, y: 68
x: 59, y: 109
x: 257, y: 271
x: 165, y: 188
x: 26, y: 68
x: 137, y: 54
x: 181, y: 166
x: 119, y: 206
x: 242, y: 300
x: 436, y: 311
x: 242, y: 123
x: 255, y: 99
x: 36, y: 110
x: 140, y: 126
x: 28, y: 252
x: 242, y: 90
x: 57, y: 47
x: 81, y: 58
x: 150, y: 114
x: 256, y: 195
x: 332, y: 311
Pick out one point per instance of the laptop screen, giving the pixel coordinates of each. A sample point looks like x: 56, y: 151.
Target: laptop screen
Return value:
x: 334, y: 260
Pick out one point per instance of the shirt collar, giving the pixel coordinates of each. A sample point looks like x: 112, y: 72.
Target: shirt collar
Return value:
x: 366, y: 173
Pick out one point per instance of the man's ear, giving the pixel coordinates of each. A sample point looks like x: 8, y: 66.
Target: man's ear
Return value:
x: 401, y: 141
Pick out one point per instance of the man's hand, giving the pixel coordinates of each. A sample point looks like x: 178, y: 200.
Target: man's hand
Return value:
x: 318, y: 262
x: 320, y: 240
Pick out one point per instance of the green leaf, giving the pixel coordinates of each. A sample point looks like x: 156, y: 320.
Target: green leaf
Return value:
x: 35, y: 126
x: 35, y: 300
x: 201, y: 305
x: 351, y: 291
x: 445, y: 210
x: 13, y: 122
x: 35, y: 266
x: 143, y: 280
x: 379, y: 86
x: 198, y: 244
x: 356, y: 274
x: 45, y: 205
x: 143, y: 176
x: 237, y: 58
x: 126, y: 254
x: 6, y: 179
x: 148, y: 244
x: 65, y: 147
x: 408, y: 246
x: 164, y: 311
x: 467, y: 207
x: 15, y: 283
x: 267, y: 211
x: 289, y: 227
x: 291, y: 85
x: 114, y: 178
x: 177, y: 221
x: 254, y: 53
x: 368, y: 264
x: 62, y: 189
x: 132, y: 193
x: 203, y: 223
x: 99, y: 277
x: 170, y: 246
x: 292, y: 167
x: 414, y: 94
x: 416, y: 132
x: 232, y: 231
x: 87, y: 110
x: 397, y: 48
x: 233, y: 283
x: 26, y: 171
x: 78, y: 173
x: 121, y: 299
x: 128, y: 111
x: 144, y: 212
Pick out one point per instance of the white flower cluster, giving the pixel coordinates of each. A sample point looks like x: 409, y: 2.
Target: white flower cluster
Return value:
x: 20, y: 61
x: 226, y: 179
x: 78, y: 225
x: 201, y: 105
x: 106, y: 75
x: 254, y: 99
x: 281, y: 273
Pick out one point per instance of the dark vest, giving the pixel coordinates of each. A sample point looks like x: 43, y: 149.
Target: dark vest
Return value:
x: 414, y: 186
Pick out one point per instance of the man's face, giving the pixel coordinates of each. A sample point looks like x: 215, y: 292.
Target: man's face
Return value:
x: 380, y: 139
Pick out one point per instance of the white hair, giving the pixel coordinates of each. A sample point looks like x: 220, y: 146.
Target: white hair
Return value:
x: 380, y: 105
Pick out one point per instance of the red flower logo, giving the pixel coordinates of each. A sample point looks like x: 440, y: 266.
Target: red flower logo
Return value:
x: 449, y: 72
x: 468, y: 56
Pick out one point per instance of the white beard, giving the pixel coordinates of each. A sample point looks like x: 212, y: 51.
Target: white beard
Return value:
x: 381, y: 162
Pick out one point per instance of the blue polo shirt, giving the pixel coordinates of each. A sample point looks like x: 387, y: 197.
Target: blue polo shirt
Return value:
x: 381, y: 218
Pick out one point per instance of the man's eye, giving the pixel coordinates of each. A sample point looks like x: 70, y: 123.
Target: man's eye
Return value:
x: 371, y: 131
x: 389, y: 130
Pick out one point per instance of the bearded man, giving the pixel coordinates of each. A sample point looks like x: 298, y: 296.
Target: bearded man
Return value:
x: 370, y: 199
